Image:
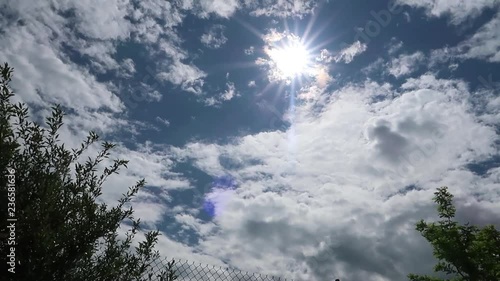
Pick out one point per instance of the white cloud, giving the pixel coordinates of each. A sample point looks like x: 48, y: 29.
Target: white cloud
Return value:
x: 103, y: 26
x: 203, y: 8
x: 482, y: 45
x: 127, y: 68
x: 347, y: 158
x: 149, y: 211
x: 375, y: 66
x: 227, y: 95
x: 458, y: 11
x: 43, y: 76
x: 196, y: 224
x: 146, y: 17
x: 163, y: 121
x: 347, y: 54
x: 347, y: 163
x: 151, y: 164
x: 280, y: 8
x: 140, y: 92
x: 128, y: 65
x: 189, y: 77
x: 214, y: 38
x: 223, y: 8
x: 325, y: 56
x: 310, y: 93
x: 443, y: 55
x: 100, y: 54
x: 230, y: 92
x: 251, y: 84
x: 453, y: 66
x: 405, y: 64
x: 316, y: 88
x: 154, y: 96
x: 182, y: 251
x: 100, y: 20
x: 407, y: 16
x: 249, y: 51
x: 485, y: 43
x: 274, y: 36
x: 394, y: 46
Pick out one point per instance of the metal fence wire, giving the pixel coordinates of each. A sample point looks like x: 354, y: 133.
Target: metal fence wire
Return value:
x: 182, y: 270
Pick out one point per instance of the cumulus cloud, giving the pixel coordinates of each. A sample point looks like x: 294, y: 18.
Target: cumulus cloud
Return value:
x: 347, y: 55
x: 332, y: 196
x: 214, y: 38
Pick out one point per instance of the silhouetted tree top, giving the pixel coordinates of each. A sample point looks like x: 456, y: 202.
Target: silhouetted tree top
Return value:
x: 465, y: 252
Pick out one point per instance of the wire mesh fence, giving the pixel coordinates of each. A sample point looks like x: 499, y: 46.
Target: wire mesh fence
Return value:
x: 182, y: 270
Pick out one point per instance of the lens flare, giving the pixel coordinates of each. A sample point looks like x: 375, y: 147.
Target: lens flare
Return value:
x: 291, y: 60
x: 221, y: 193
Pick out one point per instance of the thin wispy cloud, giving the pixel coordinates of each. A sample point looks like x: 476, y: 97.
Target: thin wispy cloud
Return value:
x: 456, y: 11
x: 250, y: 50
x: 405, y: 64
x: 347, y: 54
x: 214, y: 38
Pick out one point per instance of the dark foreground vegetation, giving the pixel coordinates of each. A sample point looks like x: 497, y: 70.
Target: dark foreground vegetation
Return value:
x: 52, y: 225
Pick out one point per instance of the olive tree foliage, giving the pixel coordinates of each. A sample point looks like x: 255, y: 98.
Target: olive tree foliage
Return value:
x: 63, y: 231
x: 464, y: 252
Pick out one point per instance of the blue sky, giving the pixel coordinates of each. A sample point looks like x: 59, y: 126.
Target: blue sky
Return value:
x: 296, y: 138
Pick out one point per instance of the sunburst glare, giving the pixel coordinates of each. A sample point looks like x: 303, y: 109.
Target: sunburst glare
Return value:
x: 288, y: 57
x: 290, y: 60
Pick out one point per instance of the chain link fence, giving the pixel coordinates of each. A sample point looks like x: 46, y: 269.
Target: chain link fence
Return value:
x: 182, y: 270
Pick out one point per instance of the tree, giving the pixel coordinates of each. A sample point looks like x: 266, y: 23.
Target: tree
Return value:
x: 54, y: 227
x: 466, y: 252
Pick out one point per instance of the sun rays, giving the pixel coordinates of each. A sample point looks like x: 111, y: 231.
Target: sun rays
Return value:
x: 289, y: 55
x: 289, y: 60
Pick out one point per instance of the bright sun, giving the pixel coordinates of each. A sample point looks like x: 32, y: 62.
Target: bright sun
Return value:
x: 291, y: 60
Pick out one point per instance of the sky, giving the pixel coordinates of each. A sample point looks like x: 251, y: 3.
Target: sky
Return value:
x: 299, y: 138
